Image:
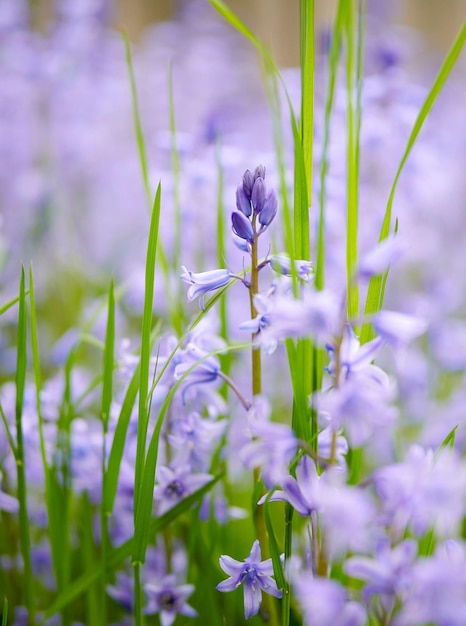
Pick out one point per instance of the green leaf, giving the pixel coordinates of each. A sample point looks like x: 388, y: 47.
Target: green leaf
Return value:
x: 118, y: 555
x: 273, y: 546
x: 374, y: 299
x: 108, y: 363
x: 24, y: 531
x: 5, y: 612
x: 143, y: 416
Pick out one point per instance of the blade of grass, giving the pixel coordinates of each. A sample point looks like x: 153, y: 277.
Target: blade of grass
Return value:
x: 352, y: 184
x: 107, y: 393
x: 5, y: 612
x: 24, y: 530
x: 143, y: 411
x: 143, y: 416
x: 374, y: 300
x: 118, y: 555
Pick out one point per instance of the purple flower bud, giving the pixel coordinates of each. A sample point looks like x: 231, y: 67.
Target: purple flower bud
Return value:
x: 243, y: 203
x: 258, y: 195
x: 248, y: 183
x: 259, y: 172
x: 242, y: 226
x: 269, y: 209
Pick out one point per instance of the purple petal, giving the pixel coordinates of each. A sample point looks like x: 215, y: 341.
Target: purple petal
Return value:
x: 252, y: 600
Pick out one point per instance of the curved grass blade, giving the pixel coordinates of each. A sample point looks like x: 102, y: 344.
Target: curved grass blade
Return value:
x: 374, y: 299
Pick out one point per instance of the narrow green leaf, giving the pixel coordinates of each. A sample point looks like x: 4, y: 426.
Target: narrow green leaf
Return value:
x: 5, y: 612
x: 24, y: 531
x: 143, y: 416
x: 273, y: 546
x: 352, y: 185
x: 8, y: 305
x: 307, y: 90
x: 118, y: 443
x: 118, y: 555
x: 108, y: 362
x: 374, y: 300
x: 332, y: 71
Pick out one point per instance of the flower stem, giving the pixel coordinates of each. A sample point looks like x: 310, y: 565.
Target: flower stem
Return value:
x: 269, y: 609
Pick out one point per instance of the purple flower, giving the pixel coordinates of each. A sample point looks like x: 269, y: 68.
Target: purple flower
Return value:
x: 168, y: 599
x: 377, y: 260
x: 301, y: 492
x: 397, y: 328
x: 203, y: 282
x: 388, y: 574
x: 176, y: 484
x: 272, y: 448
x: 324, y: 602
x: 353, y: 357
x: 254, y: 574
x: 437, y: 592
x: 282, y: 265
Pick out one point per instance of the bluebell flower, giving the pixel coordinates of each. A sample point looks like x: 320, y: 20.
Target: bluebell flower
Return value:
x: 437, y: 593
x: 255, y: 576
x: 168, y: 599
x: 258, y: 195
x: 273, y: 445
x: 398, y: 329
x: 325, y: 602
x: 301, y: 492
x: 281, y: 264
x: 387, y: 575
x: 354, y: 358
x: 203, y: 282
x: 176, y: 484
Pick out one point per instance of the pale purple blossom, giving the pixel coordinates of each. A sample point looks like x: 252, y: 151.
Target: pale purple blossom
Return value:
x: 272, y: 446
x: 255, y: 576
x: 325, y: 602
x: 398, y: 329
x: 168, y: 598
x: 283, y: 265
x: 173, y: 485
x: 387, y: 574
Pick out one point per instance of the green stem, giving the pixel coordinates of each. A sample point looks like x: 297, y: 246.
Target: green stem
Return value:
x: 269, y: 609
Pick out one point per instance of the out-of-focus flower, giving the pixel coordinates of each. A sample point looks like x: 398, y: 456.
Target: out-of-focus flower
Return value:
x: 324, y: 602
x: 282, y: 265
x: 176, y: 484
x: 168, y: 599
x: 255, y: 576
x: 398, y: 329
x: 388, y: 574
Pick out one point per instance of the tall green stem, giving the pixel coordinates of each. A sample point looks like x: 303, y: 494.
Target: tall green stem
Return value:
x: 269, y: 609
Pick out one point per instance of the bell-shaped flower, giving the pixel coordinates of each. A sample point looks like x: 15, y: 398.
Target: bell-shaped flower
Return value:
x: 301, y: 492
x: 282, y: 265
x: 378, y: 260
x: 398, y: 329
x: 203, y: 282
x: 255, y: 576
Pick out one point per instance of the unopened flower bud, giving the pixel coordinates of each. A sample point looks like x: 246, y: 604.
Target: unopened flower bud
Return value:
x: 258, y: 195
x: 269, y: 209
x: 242, y: 226
x: 243, y: 203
